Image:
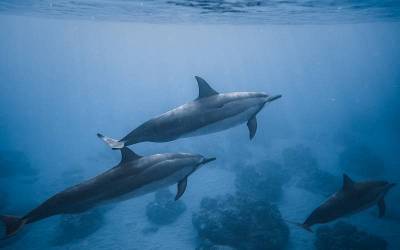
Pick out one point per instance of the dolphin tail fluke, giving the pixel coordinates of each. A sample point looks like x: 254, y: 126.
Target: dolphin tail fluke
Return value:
x: 302, y: 225
x: 114, y: 144
x: 12, y: 223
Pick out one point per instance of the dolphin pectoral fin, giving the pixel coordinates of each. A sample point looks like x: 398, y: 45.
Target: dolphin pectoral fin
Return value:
x: 13, y: 224
x: 204, y: 88
x: 114, y: 144
x: 252, y: 125
x: 181, y: 188
x: 382, y: 207
x: 128, y: 155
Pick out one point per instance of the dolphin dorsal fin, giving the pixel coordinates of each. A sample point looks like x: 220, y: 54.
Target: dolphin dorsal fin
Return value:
x: 204, y: 88
x: 348, y: 183
x: 128, y: 155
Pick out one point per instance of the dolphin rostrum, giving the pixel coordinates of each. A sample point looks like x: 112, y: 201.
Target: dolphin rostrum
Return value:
x: 133, y: 176
x: 210, y: 112
x: 352, y: 198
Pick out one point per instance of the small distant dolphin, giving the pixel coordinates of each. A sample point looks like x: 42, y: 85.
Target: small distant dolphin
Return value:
x: 211, y: 112
x: 133, y: 176
x: 352, y: 198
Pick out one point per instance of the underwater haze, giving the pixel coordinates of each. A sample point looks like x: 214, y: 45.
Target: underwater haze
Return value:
x: 71, y: 69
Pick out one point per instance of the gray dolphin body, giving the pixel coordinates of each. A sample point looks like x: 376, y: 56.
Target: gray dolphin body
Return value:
x: 132, y: 177
x: 209, y: 113
x: 352, y: 198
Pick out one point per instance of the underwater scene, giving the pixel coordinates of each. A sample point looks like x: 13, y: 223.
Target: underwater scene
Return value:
x: 200, y: 124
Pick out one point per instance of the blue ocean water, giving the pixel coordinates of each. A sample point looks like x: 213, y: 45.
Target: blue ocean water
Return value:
x: 71, y: 69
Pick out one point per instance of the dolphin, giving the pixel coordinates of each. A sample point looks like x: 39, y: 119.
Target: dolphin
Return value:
x: 352, y: 198
x: 210, y: 112
x: 134, y: 176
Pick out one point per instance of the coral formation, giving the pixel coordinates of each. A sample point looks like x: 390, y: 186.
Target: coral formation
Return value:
x: 262, y: 181
x: 74, y: 227
x: 240, y: 222
x: 164, y: 209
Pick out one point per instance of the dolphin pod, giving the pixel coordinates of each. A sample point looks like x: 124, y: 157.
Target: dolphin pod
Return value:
x: 137, y: 175
x: 352, y: 198
x: 134, y: 176
x: 211, y: 112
